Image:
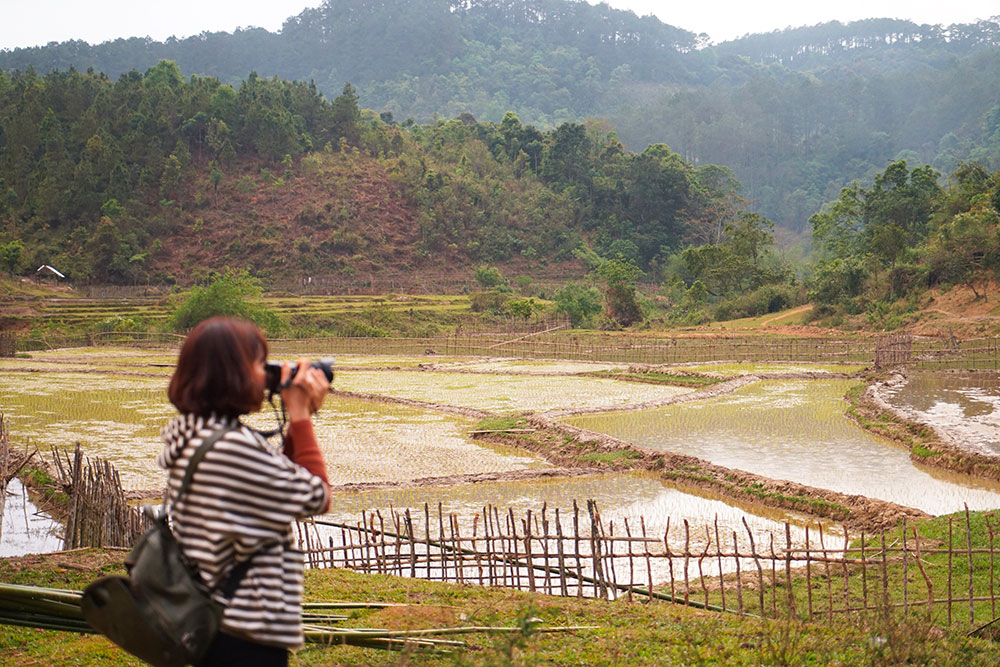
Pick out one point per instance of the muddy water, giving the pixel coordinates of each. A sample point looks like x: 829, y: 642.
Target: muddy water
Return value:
x: 618, y: 497
x: 964, y: 405
x: 796, y: 430
x: 503, y: 393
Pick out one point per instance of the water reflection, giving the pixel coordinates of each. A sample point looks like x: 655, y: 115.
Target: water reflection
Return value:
x: 25, y: 529
x: 795, y: 430
x: 965, y: 405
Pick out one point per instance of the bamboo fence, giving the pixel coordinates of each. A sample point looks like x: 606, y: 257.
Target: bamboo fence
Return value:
x: 4, y: 464
x: 598, y: 347
x: 545, y: 340
x: 829, y: 574
x: 98, y: 514
x: 954, y: 354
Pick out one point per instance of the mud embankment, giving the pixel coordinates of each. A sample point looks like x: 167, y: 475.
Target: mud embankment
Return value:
x: 928, y: 445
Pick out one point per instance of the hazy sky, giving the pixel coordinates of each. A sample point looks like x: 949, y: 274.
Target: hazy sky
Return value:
x: 30, y: 23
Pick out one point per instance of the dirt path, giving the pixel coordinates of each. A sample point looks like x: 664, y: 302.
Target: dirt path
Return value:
x: 788, y: 313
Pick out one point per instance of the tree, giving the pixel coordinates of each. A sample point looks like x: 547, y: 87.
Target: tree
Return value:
x: 620, y: 302
x: 578, y: 302
x: 173, y: 173
x: 489, y: 276
x: 215, y: 176
x: 346, y: 115
x: 751, y: 235
x: 12, y: 256
x: 967, y: 250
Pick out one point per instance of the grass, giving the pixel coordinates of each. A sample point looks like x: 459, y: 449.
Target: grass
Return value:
x: 611, y: 457
x: 817, y: 505
x: 791, y: 316
x: 934, y: 535
x: 627, y: 633
x: 500, y: 423
x: 41, y: 482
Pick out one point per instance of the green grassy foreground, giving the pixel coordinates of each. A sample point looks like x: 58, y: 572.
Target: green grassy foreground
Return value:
x: 629, y: 633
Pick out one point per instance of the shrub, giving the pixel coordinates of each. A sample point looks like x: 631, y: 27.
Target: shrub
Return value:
x: 230, y: 294
x: 579, y: 302
x: 523, y: 308
x: 761, y: 301
x: 489, y: 276
x: 492, y: 302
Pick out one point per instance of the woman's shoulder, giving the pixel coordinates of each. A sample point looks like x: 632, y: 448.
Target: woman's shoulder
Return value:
x: 243, y: 441
x: 188, y: 430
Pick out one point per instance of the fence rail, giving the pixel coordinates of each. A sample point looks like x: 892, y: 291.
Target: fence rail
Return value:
x: 817, y: 576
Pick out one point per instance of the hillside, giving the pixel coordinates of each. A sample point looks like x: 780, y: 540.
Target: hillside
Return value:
x: 337, y: 219
x: 159, y: 178
x: 795, y: 113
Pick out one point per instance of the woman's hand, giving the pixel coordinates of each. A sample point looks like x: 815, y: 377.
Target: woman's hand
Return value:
x: 305, y: 394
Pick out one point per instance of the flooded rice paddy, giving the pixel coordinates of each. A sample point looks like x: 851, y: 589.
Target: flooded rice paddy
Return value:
x: 114, y: 402
x: 964, y: 405
x: 374, y: 442
x: 119, y: 418
x: 796, y: 430
x: 529, y: 367
x: 504, y: 393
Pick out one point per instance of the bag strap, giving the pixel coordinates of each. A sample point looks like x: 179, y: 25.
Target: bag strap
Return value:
x: 235, y: 576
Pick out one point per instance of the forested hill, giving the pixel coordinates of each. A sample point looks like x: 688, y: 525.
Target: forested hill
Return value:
x: 158, y: 177
x: 796, y: 114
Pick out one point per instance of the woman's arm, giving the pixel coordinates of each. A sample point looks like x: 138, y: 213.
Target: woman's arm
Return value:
x: 302, y: 448
x: 302, y: 398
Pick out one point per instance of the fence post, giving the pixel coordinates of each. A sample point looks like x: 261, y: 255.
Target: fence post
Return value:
x: 968, y: 543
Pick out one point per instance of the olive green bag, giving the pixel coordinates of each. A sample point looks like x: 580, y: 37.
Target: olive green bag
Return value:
x: 161, y: 612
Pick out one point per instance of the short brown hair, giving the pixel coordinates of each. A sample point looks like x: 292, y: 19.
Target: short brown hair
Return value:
x: 215, y: 369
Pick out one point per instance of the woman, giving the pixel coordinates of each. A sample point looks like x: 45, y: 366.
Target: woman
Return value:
x: 245, y: 494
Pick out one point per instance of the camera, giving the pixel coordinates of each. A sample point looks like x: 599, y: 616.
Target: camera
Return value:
x: 272, y: 373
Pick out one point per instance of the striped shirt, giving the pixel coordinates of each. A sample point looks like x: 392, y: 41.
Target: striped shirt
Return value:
x: 242, y: 502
